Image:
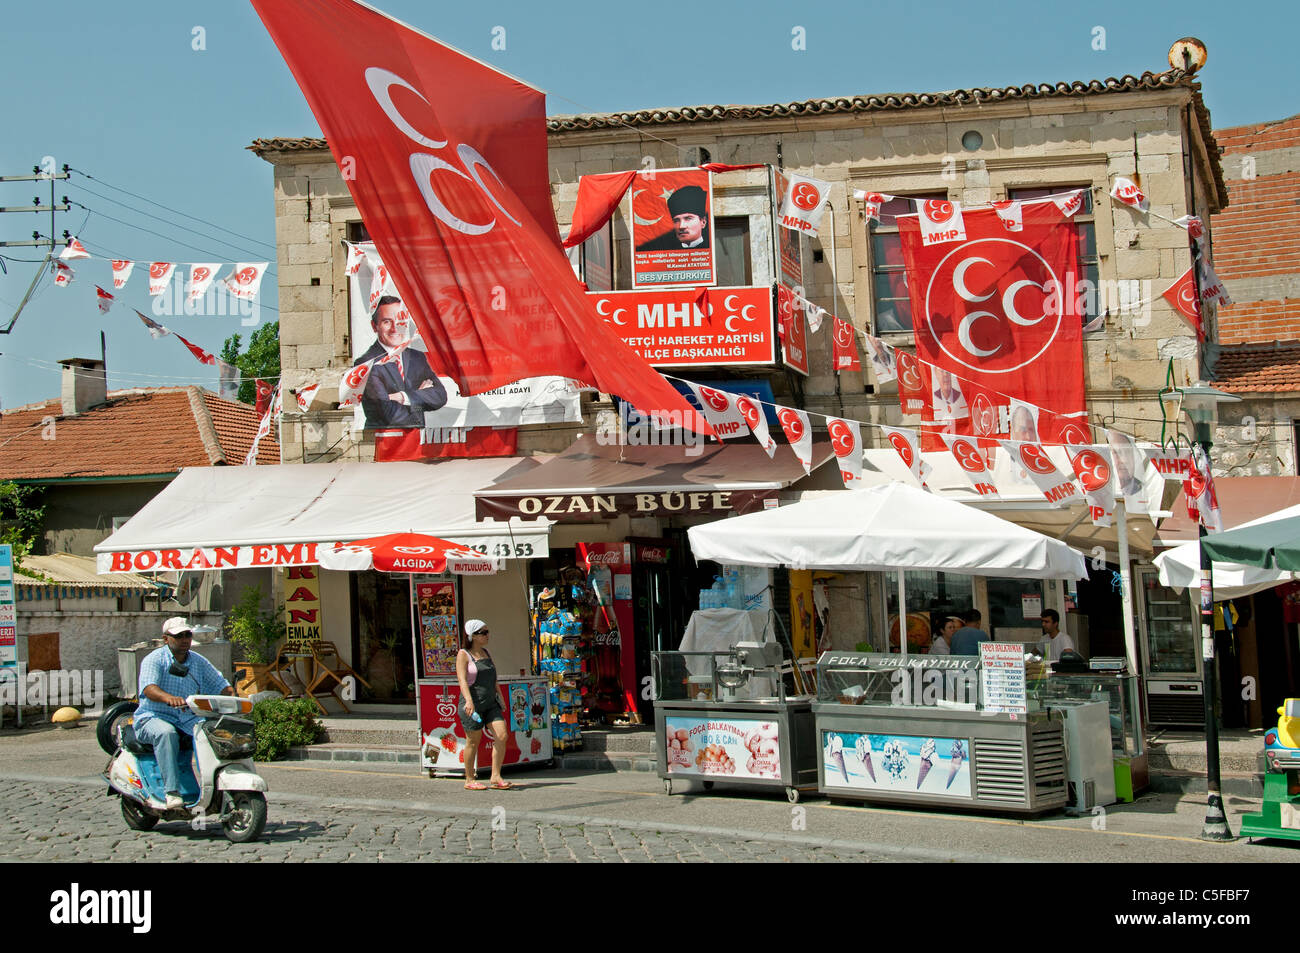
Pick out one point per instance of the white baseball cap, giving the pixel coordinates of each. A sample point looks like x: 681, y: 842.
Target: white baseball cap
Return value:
x: 176, y: 625
x: 474, y: 626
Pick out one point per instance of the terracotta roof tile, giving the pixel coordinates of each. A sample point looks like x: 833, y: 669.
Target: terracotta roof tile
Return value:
x: 1259, y: 368
x: 138, y: 432
x: 853, y: 105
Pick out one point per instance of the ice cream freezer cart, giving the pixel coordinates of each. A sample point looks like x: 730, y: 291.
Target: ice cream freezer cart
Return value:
x: 726, y: 716
x: 525, y: 703
x: 898, y: 730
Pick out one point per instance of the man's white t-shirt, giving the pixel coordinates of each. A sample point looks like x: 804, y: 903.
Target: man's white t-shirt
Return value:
x: 1059, y: 645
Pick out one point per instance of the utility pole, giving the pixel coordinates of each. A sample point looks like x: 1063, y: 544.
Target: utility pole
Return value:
x: 38, y: 240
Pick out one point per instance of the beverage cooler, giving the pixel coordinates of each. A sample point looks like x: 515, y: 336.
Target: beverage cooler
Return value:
x: 1171, y: 654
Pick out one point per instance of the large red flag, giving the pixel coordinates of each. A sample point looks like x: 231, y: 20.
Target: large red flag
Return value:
x: 1001, y: 309
x: 446, y: 160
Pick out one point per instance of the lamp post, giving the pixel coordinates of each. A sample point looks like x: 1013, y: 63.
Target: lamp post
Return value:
x: 1201, y: 404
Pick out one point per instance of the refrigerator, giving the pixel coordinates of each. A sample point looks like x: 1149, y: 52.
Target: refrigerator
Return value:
x: 1171, y: 654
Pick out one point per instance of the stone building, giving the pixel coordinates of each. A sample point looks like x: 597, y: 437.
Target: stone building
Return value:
x: 969, y: 145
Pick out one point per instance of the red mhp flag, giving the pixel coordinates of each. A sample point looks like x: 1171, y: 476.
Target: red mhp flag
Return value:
x: 992, y: 309
x: 1182, y: 297
x: 913, y: 383
x: 450, y: 176
x: 104, y: 299
x: 799, y: 433
x: 598, y: 197
x: 846, y: 348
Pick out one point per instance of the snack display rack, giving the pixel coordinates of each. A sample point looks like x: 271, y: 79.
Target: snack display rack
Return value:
x: 561, y: 655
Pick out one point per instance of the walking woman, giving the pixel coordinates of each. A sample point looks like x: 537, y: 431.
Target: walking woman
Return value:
x: 480, y: 706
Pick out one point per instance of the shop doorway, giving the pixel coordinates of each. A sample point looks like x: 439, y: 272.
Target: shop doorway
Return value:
x: 1101, y: 615
x: 663, y: 600
x: 383, y: 643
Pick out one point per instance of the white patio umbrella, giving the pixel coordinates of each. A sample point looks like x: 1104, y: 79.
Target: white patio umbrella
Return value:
x: 891, y: 527
x: 1180, y: 567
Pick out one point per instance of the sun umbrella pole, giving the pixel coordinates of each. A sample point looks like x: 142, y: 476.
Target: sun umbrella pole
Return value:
x: 1126, y: 591
x: 902, y: 636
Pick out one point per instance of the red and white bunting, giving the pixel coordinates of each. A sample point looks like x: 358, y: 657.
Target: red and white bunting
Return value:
x: 103, y: 299
x: 1057, y: 488
x: 262, y: 400
x: 720, y: 411
x: 356, y: 255
x: 1092, y: 467
x: 799, y: 433
x: 1212, y: 289
x: 846, y: 441
x: 1024, y: 421
x: 156, y: 330
x: 246, y: 279
x: 941, y: 222
x: 1182, y: 297
x: 305, y: 395
x: 871, y: 203
x: 846, y: 349
x: 1070, y: 203
x: 1127, y: 192
x: 756, y: 421
x: 1011, y: 214
x: 803, y: 203
x: 121, y: 272
x: 1202, y: 498
x: 380, y: 283
x: 63, y: 274
x: 971, y: 459
x: 204, y: 357
x: 905, y: 443
x: 201, y: 276
x: 160, y: 275
x: 264, y: 427
x: 913, y: 383
x: 1195, y: 227
x: 882, y: 359
x: 74, y: 250
x: 353, y: 384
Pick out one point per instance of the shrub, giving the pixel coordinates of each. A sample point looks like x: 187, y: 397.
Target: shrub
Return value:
x: 283, y: 723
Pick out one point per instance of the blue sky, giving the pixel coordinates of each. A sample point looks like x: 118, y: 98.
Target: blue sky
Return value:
x: 119, y: 92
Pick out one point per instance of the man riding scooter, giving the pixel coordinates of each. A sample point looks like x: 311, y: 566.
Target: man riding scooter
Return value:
x: 167, y: 676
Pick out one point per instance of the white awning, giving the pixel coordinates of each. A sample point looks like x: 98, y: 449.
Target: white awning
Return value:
x: 240, y: 517
x: 1180, y: 567
x: 886, y: 527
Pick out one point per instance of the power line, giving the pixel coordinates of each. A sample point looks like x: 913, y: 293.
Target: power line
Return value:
x: 115, y: 188
x: 240, y: 250
x: 207, y: 252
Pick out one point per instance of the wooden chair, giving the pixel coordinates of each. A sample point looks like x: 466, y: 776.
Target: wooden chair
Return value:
x: 328, y: 672
x: 252, y: 677
x: 808, y: 669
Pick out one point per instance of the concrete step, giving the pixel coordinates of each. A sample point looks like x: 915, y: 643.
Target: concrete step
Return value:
x: 410, y: 755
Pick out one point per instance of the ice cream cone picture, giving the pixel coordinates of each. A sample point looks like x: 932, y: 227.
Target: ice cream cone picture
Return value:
x: 956, y: 755
x: 864, y: 754
x: 837, y: 756
x: 895, y: 760
x: 927, y: 762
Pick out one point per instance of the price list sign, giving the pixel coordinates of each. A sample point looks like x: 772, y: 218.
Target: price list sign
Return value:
x: 8, y: 614
x: 1002, y: 687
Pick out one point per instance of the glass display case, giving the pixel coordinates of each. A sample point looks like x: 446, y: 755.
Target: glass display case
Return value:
x: 1119, y: 690
x: 729, y: 716
x: 917, y: 731
x: 1171, y: 631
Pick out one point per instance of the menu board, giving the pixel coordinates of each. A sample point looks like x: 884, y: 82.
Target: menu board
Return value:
x: 8, y: 613
x: 1002, y: 685
x: 730, y: 747
x: 439, y: 625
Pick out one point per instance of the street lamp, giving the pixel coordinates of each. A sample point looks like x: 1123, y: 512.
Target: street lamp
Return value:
x: 1201, y: 404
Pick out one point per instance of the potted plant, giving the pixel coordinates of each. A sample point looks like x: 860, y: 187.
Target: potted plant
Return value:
x: 257, y: 632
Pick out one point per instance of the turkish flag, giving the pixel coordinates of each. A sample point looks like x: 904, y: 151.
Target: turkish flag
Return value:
x: 448, y: 169
x: 263, y: 400
x: 996, y: 309
x: 598, y: 197
x: 473, y: 442
x: 1182, y: 297
x: 203, y: 356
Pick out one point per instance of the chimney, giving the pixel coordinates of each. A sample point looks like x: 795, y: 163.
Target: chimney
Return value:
x: 85, y: 385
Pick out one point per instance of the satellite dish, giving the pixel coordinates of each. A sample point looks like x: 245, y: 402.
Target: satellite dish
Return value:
x: 187, y: 587
x: 1188, y: 54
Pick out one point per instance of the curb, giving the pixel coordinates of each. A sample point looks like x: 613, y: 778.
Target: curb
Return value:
x: 1187, y: 782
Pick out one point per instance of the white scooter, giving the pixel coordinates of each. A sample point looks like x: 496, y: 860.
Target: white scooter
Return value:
x: 227, y: 785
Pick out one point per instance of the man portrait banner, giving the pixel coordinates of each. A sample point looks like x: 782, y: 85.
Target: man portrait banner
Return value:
x: 672, y: 228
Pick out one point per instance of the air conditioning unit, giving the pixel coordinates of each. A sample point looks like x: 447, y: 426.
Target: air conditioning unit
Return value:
x: 1179, y: 703
x: 1082, y: 796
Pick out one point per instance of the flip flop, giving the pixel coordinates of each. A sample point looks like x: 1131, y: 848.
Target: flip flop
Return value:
x: 502, y: 786
x: 475, y: 786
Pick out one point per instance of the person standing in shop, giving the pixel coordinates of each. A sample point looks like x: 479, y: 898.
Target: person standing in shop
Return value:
x: 1058, y: 641
x: 480, y: 706
x: 967, y: 639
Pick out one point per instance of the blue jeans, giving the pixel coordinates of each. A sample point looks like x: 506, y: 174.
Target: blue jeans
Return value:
x: 165, y: 738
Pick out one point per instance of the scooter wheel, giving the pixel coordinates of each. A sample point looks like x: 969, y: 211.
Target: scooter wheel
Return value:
x: 247, y: 817
x: 136, y: 817
x: 106, y: 727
